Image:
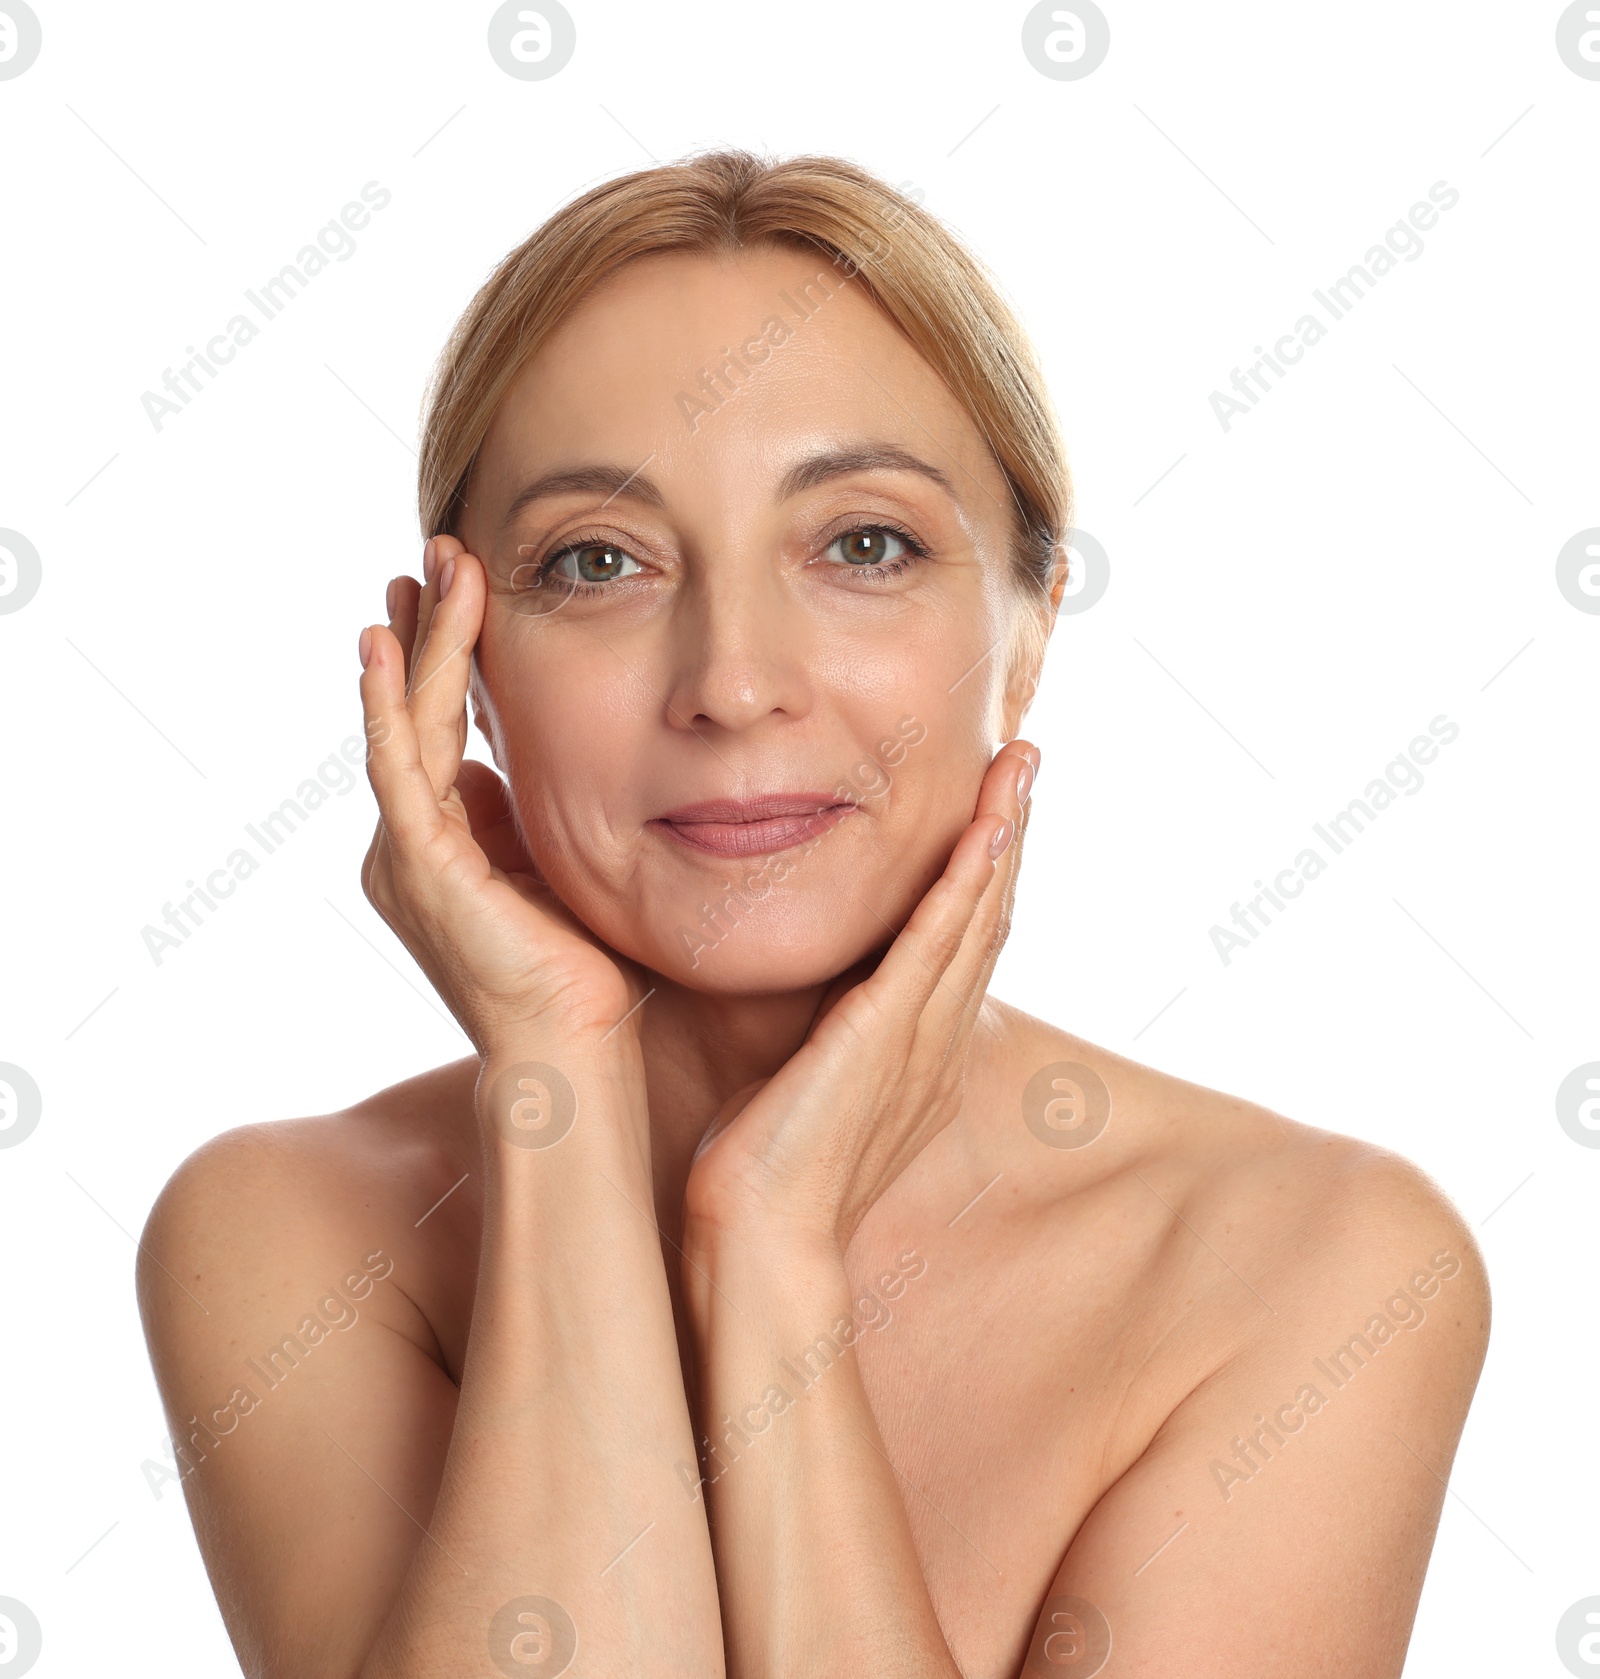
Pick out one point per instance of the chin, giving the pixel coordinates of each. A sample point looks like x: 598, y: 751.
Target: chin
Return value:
x: 745, y: 953
x: 777, y: 923
x: 732, y: 970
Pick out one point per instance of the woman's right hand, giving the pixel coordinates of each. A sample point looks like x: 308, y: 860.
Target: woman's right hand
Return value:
x: 447, y: 869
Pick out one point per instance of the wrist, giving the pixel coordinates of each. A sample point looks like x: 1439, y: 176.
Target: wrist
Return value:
x: 766, y: 1241
x: 731, y: 1208
x: 742, y: 1282
x: 537, y: 1092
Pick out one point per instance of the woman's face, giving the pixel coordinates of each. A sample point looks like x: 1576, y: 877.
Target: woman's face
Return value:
x: 748, y: 642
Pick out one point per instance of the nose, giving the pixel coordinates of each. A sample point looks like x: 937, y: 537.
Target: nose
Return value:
x: 741, y: 645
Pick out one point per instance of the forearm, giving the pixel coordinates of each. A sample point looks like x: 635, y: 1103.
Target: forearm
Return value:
x: 816, y: 1564
x: 560, y: 1480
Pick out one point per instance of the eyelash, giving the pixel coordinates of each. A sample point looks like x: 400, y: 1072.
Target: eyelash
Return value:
x: 916, y: 551
x: 577, y: 585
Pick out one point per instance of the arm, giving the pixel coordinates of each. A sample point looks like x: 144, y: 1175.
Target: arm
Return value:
x: 360, y: 1516
x: 1279, y: 1523
x: 559, y: 1483
x: 815, y: 1558
x: 1320, y: 1575
x: 818, y: 1570
x: 363, y: 1520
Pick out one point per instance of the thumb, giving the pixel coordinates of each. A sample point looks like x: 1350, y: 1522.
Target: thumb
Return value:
x: 842, y: 985
x: 728, y: 1113
x: 486, y: 799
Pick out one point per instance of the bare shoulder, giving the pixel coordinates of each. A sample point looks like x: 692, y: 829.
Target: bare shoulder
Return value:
x: 1315, y: 1313
x: 1283, y: 1210
x: 266, y: 1208
x: 283, y: 1286
x: 1329, y: 1218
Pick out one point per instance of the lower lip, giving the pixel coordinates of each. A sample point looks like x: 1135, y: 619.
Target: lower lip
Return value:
x: 753, y: 839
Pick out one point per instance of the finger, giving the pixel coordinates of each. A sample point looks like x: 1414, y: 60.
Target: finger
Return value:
x: 435, y: 552
x: 487, y: 801
x: 841, y: 985
x: 441, y: 671
x: 914, y: 968
x: 942, y: 923
x: 952, y: 935
x: 1006, y: 793
x: 408, y: 805
x: 401, y: 601
x: 1002, y: 791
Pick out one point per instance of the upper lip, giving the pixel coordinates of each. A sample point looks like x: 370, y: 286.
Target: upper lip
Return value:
x: 759, y: 809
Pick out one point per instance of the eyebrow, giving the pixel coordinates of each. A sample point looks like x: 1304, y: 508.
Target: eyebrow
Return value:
x: 867, y: 457
x: 606, y: 480
x: 613, y: 481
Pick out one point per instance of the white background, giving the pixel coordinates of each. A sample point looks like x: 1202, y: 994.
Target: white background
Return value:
x: 1293, y: 600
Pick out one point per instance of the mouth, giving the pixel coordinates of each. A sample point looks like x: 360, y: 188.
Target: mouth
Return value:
x: 756, y: 827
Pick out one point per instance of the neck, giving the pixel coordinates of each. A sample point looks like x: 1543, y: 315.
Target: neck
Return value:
x: 700, y: 1049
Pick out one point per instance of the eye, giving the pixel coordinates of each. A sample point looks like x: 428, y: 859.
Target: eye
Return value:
x: 876, y: 548
x: 591, y: 562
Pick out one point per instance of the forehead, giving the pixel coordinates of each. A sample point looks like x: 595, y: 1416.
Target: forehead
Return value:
x: 721, y: 371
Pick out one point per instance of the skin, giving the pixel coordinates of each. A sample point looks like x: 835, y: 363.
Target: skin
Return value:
x: 801, y: 1118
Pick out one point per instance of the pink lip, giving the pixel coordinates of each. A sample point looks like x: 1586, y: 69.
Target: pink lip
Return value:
x: 752, y: 827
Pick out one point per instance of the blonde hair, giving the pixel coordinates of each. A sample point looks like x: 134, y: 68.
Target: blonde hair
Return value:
x: 913, y: 267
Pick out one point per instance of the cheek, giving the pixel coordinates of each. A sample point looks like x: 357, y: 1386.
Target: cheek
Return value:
x: 918, y: 677
x: 911, y: 714
x: 901, y: 722
x: 919, y: 775
x: 572, y: 718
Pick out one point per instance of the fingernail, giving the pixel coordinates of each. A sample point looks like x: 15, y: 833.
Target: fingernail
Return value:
x: 388, y: 598
x: 1024, y: 781
x: 447, y: 576
x: 366, y: 648
x: 429, y: 556
x: 1003, y: 838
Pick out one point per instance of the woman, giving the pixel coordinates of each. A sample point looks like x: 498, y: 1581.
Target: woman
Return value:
x: 762, y: 1297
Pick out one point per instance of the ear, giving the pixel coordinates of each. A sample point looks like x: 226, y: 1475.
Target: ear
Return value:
x: 1019, y: 695
x: 1036, y: 618
x: 1061, y: 556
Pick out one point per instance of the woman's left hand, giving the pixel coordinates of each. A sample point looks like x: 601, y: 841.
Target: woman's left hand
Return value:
x: 883, y: 1068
